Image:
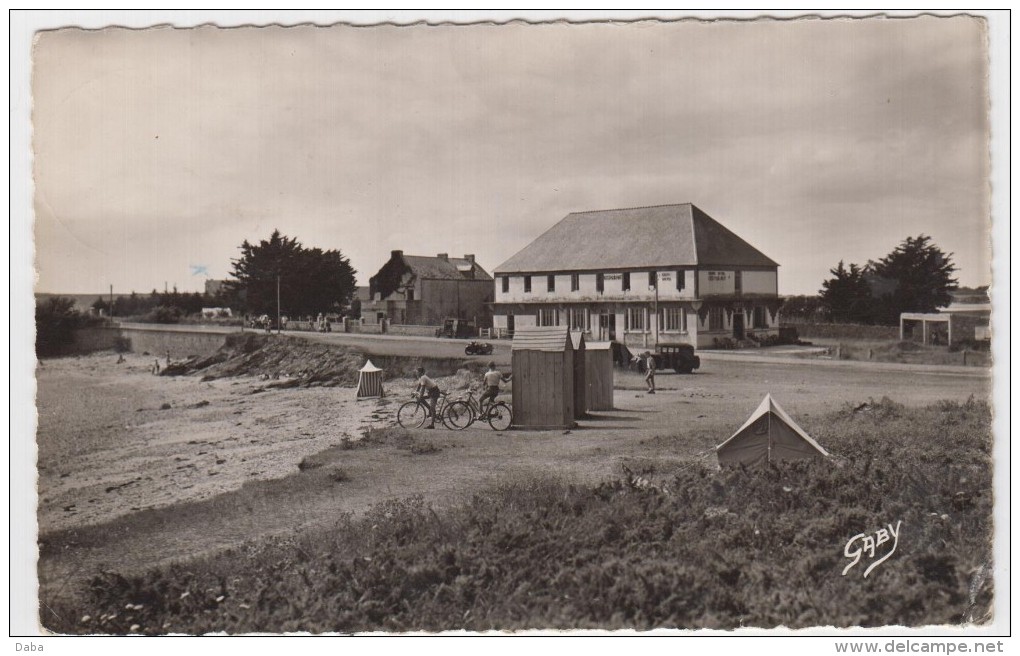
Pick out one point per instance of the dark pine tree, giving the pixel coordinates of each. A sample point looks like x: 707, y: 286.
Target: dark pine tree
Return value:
x: 846, y: 297
x: 916, y: 277
x: 311, y: 280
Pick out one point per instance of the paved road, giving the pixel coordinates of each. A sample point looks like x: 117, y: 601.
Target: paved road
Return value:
x: 371, y: 344
x: 454, y: 348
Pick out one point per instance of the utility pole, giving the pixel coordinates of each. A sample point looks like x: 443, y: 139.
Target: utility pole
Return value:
x: 111, y: 301
x: 655, y: 310
x: 277, y: 304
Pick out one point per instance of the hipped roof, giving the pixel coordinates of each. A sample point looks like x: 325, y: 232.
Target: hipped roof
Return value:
x: 661, y: 236
x: 767, y: 405
x: 551, y: 339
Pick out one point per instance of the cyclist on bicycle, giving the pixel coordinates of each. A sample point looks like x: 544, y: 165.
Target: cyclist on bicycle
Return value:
x: 428, y: 387
x: 492, y: 379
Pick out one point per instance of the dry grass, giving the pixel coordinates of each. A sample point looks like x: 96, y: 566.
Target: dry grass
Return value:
x: 905, y: 352
x: 690, y: 547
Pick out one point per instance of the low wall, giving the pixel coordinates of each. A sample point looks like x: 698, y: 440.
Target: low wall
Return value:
x: 90, y: 340
x: 364, y: 328
x: 417, y: 331
x: 180, y: 344
x: 844, y: 331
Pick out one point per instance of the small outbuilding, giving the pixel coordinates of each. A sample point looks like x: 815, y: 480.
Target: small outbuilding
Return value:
x: 543, y: 365
x: 598, y: 375
x: 369, y: 382
x: 942, y: 328
x: 769, y: 435
x: 580, y: 378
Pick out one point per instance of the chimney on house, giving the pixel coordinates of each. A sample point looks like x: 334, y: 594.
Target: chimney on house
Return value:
x: 470, y: 258
x: 445, y: 257
x: 396, y: 254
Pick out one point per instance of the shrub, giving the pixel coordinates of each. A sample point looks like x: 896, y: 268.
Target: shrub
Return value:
x: 423, y: 447
x: 56, y: 319
x: 706, y: 549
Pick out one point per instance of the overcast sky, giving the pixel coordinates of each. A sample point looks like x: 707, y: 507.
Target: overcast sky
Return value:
x: 816, y: 140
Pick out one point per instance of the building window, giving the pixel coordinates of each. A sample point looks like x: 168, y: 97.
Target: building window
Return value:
x: 738, y: 283
x: 527, y: 284
x: 759, y: 318
x: 577, y: 318
x: 653, y: 280
x: 550, y: 283
x: 626, y: 281
x: 680, y: 280
x: 548, y: 317
x: 675, y: 319
x: 600, y: 283
x: 506, y: 284
x: 575, y: 282
x: 410, y: 293
x: 715, y: 318
x: 635, y: 320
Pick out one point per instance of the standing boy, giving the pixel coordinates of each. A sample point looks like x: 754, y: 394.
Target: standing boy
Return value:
x: 650, y: 371
x: 492, y: 379
x: 428, y: 387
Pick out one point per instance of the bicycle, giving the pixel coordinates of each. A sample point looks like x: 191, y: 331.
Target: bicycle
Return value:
x: 414, y: 413
x: 498, y: 413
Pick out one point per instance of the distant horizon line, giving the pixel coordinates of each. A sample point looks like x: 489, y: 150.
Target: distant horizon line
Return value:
x: 963, y: 288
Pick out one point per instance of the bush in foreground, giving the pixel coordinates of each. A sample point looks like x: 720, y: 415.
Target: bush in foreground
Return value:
x: 701, y: 548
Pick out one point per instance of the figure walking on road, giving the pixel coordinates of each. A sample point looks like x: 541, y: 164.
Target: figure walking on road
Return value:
x: 649, y: 371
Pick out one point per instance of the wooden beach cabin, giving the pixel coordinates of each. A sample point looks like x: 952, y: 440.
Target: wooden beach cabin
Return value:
x: 598, y: 375
x: 580, y: 386
x: 543, y: 366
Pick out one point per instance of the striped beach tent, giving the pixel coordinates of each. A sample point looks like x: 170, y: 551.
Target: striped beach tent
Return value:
x: 370, y: 382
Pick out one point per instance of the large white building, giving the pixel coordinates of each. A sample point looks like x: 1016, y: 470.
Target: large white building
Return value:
x: 644, y: 275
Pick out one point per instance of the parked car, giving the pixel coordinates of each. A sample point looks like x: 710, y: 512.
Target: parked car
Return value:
x: 679, y: 357
x: 457, y: 328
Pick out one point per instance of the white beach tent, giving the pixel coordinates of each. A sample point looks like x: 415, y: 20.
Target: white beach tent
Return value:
x: 369, y: 381
x: 769, y: 435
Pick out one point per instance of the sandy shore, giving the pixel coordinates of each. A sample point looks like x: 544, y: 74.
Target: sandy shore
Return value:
x: 114, y: 439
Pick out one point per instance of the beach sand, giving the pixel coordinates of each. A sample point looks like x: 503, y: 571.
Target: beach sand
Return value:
x: 114, y: 439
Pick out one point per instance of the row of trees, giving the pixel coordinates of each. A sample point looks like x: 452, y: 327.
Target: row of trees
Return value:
x: 159, y: 304
x: 916, y: 276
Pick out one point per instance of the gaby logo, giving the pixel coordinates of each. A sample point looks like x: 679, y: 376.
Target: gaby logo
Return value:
x: 866, y: 544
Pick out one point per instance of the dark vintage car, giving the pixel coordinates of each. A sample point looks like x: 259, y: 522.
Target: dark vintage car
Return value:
x: 455, y: 328
x: 679, y: 357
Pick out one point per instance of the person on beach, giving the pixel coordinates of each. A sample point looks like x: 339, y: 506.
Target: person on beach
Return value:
x: 649, y: 371
x: 428, y: 387
x: 492, y: 379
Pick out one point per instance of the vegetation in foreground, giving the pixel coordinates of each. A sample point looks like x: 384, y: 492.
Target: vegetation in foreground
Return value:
x: 971, y: 354
x: 688, y: 548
